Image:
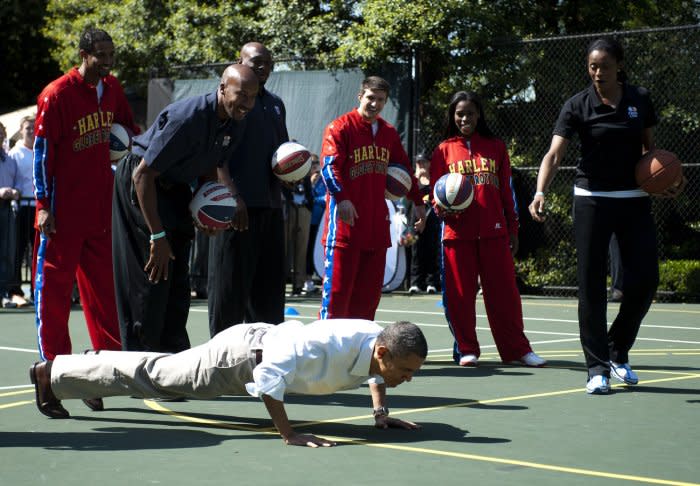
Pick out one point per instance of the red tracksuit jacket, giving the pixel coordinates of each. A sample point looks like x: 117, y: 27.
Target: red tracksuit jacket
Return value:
x: 354, y: 167
x: 72, y: 172
x: 492, y: 212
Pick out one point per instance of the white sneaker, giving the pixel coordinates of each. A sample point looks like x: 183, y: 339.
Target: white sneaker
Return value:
x: 413, y: 290
x: 309, y: 286
x: 598, y: 385
x: 532, y: 360
x: 623, y: 373
x: 8, y: 304
x: 431, y: 289
x: 468, y: 360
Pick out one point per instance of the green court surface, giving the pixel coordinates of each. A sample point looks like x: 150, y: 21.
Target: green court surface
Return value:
x: 492, y: 425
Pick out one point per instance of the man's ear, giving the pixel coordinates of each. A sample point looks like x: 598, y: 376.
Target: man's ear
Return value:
x: 382, y: 351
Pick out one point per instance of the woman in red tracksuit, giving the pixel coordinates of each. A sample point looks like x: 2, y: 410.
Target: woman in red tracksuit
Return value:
x: 477, y: 243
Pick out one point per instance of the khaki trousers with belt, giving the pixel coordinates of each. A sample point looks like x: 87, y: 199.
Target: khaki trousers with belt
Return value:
x: 221, y: 366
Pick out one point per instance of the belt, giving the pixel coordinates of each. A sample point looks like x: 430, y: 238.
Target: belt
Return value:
x: 258, y: 356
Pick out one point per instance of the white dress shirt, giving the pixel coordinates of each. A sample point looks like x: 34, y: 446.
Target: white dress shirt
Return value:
x: 315, y: 359
x: 25, y: 170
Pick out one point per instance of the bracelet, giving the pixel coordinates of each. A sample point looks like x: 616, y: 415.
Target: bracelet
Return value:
x: 158, y: 236
x: 539, y: 193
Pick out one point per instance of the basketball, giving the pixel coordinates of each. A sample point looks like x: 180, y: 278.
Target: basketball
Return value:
x: 119, y: 142
x: 398, y: 182
x: 453, y: 192
x: 658, y: 170
x: 213, y: 205
x: 291, y: 162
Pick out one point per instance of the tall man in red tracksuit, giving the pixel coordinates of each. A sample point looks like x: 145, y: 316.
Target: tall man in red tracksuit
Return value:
x: 73, y: 180
x: 356, y: 150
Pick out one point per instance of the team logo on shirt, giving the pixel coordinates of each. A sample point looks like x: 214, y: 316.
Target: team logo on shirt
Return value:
x: 369, y: 159
x: 479, y: 171
x: 632, y: 112
x: 92, y: 129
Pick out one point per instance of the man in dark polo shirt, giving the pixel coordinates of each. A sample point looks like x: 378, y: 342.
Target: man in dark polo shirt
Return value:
x: 152, y: 224
x: 246, y: 264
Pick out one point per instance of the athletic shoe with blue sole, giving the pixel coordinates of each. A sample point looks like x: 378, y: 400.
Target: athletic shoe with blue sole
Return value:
x: 623, y: 373
x: 598, y: 385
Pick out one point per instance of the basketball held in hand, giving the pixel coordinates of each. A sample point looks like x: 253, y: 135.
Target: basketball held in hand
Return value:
x: 213, y: 206
x: 119, y: 142
x: 658, y: 170
x: 398, y: 182
x: 291, y: 162
x: 453, y: 192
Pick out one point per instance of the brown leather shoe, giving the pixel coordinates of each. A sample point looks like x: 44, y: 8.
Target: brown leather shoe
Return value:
x: 46, y: 401
x: 94, y: 404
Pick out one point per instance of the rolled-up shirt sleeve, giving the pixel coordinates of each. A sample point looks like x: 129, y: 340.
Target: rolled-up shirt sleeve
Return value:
x: 272, y: 378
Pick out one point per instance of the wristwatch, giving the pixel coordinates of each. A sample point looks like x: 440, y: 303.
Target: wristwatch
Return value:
x: 380, y: 412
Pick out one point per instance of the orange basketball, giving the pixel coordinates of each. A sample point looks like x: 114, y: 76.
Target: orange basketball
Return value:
x: 658, y: 170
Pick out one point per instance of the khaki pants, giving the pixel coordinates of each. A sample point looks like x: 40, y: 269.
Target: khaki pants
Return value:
x: 221, y: 366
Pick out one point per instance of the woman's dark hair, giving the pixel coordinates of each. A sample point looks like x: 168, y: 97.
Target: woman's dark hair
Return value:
x: 482, y: 127
x: 612, y: 47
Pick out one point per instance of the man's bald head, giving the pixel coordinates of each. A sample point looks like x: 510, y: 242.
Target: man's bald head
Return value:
x: 258, y: 58
x: 237, y: 92
x: 237, y: 71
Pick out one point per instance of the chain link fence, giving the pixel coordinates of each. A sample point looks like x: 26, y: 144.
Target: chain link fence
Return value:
x: 667, y: 62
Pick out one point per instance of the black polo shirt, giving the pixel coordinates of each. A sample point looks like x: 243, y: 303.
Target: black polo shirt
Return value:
x: 188, y: 140
x: 250, y: 164
x: 611, y: 138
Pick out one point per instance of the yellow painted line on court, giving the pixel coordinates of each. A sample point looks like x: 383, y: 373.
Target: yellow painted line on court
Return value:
x: 15, y: 404
x: 15, y: 393
x: 158, y: 407
x: 533, y: 395
x: 458, y: 455
x: 533, y: 465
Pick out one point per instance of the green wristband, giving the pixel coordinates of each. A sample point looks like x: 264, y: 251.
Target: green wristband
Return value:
x: 158, y: 236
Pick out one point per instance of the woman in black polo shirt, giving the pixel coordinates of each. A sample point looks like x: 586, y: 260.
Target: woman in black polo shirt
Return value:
x: 614, y: 122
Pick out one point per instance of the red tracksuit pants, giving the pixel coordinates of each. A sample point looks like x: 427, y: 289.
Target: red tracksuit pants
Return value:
x: 464, y: 261
x: 352, y: 284
x: 59, y: 261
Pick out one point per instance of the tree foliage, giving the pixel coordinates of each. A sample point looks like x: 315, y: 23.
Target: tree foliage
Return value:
x: 460, y: 41
x: 24, y: 54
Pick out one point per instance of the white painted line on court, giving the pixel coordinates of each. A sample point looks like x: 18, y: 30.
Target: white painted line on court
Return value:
x: 21, y: 350
x: 14, y: 387
x: 482, y: 316
x: 668, y: 340
x: 556, y: 341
